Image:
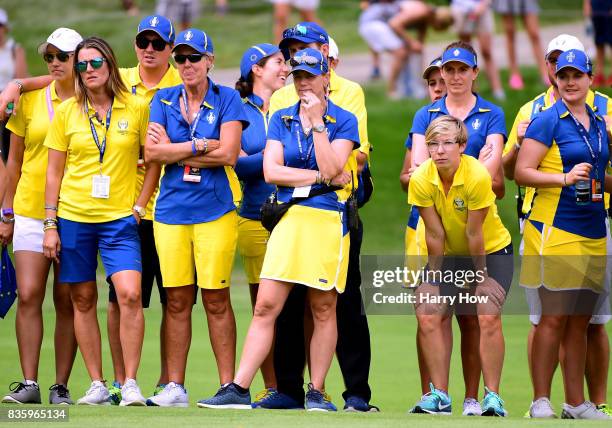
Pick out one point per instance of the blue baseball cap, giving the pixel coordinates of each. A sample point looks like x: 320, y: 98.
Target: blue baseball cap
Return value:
x: 253, y: 55
x: 436, y: 64
x: 196, y: 39
x: 306, y: 32
x: 158, y: 24
x: 574, y: 58
x: 309, y: 60
x: 459, y: 55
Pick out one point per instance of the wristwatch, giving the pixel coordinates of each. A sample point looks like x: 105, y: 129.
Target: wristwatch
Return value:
x: 140, y: 211
x: 8, y: 220
x: 319, y: 128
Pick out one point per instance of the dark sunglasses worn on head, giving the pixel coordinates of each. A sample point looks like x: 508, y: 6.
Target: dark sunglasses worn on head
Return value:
x: 310, y: 61
x: 61, y: 57
x: 298, y: 30
x: 143, y: 43
x: 96, y: 63
x: 193, y: 58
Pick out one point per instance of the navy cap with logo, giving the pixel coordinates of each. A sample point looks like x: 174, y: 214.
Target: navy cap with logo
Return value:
x: 459, y: 55
x: 253, y: 55
x: 196, y: 39
x: 158, y: 24
x: 576, y: 59
x: 309, y: 60
x: 305, y: 32
x: 434, y: 65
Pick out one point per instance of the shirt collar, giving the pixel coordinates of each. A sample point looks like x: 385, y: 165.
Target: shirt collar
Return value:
x: 209, y: 99
x: 134, y: 79
x: 458, y: 179
x: 334, y: 82
x: 440, y: 106
x: 563, y: 112
x: 255, y: 100
x: 54, y: 96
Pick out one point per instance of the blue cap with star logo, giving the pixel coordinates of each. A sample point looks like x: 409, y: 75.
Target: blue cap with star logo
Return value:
x: 459, y: 55
x: 196, y: 39
x: 158, y: 24
x: 253, y: 55
x: 574, y: 58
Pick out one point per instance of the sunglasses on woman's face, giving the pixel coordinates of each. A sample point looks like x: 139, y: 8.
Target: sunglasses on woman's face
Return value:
x: 61, y: 57
x: 193, y: 58
x: 310, y: 61
x: 143, y: 43
x: 96, y: 63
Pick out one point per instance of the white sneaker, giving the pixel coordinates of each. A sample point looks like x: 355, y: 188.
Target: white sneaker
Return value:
x: 96, y: 395
x: 586, y: 410
x: 131, y: 395
x: 471, y: 407
x: 173, y: 395
x: 541, y: 408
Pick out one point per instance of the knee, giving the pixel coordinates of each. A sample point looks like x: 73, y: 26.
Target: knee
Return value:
x: 175, y: 305
x: 30, y: 298
x: 489, y: 324
x: 323, y: 311
x: 84, y: 302
x: 217, y: 303
x: 130, y: 298
x: 265, y: 310
x: 550, y: 322
x: 597, y: 332
x: 62, y: 303
x: 429, y: 323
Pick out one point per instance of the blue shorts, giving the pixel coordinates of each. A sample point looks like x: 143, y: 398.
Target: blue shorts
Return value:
x: 117, y: 241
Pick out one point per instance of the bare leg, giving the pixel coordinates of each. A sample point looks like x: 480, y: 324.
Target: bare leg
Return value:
x: 267, y: 367
x: 114, y: 341
x: 597, y: 363
x: 84, y: 296
x: 178, y: 330
x: 546, y: 342
x: 532, y: 25
x: 470, y: 353
x: 530, y: 337
x: 399, y: 60
x: 492, y: 350
x: 510, y: 30
x: 575, y: 346
x: 281, y: 18
x: 64, y: 339
x: 324, y: 335
x: 431, y: 337
x: 221, y: 330
x: 491, y: 67
x: 163, y: 375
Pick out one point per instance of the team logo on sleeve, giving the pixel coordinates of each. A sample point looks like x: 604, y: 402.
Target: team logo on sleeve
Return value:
x: 476, y: 124
x: 210, y: 118
x: 459, y: 204
x: 123, y: 126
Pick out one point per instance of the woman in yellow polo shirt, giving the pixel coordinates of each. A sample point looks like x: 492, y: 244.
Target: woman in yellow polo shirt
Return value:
x: 93, y: 143
x: 27, y: 165
x: 455, y: 199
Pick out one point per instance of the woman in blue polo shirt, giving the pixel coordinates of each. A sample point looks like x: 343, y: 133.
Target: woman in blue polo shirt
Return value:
x: 564, y: 156
x: 195, y: 130
x: 308, y: 147
x: 262, y: 71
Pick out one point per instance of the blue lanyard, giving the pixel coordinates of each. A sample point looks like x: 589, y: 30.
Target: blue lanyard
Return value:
x: 194, y: 124
x: 584, y: 134
x: 94, y: 133
x: 298, y: 134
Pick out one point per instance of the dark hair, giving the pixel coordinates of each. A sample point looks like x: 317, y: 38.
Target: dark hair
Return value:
x: 463, y: 45
x: 245, y: 87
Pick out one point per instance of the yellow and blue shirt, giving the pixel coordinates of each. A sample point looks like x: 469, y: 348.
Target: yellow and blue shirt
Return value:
x: 250, y: 168
x: 31, y: 122
x: 471, y: 190
x: 286, y: 127
x: 181, y: 202
x: 554, y: 206
x: 70, y: 132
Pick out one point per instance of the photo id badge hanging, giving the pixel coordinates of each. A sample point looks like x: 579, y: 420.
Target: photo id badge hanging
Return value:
x: 596, y: 190
x: 192, y: 175
x: 100, y: 186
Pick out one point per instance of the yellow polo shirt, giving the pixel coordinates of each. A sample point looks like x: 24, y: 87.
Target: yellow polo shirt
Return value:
x: 32, y: 122
x: 70, y: 132
x: 470, y: 191
x: 131, y: 78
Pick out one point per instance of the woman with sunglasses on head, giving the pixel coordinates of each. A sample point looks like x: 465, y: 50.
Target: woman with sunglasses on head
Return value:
x: 262, y: 72
x: 564, y: 155
x: 306, y: 155
x: 195, y: 131
x: 453, y: 194
x: 22, y: 224
x: 93, y: 144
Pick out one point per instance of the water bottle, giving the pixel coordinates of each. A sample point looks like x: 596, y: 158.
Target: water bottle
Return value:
x: 583, y: 192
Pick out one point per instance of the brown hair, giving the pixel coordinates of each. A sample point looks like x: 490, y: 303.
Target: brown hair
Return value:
x: 463, y: 45
x: 446, y: 125
x: 245, y: 87
x: 114, y: 85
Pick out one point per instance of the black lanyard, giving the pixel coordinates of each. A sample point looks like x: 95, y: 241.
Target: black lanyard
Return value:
x: 101, y: 147
x: 298, y: 134
x: 194, y: 124
x: 585, y: 136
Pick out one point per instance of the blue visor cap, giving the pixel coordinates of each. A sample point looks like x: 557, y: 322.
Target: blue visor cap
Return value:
x: 460, y: 55
x: 574, y: 58
x: 309, y: 60
x: 436, y: 64
x: 196, y: 39
x: 253, y: 55
x: 305, y: 32
x: 158, y: 24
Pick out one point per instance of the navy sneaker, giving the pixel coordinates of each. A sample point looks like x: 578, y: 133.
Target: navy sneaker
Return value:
x: 227, y: 397
x: 317, y: 401
x: 277, y: 400
x: 358, y: 404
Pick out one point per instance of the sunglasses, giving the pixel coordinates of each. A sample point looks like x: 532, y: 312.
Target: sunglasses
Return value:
x: 308, y: 60
x: 298, y: 30
x: 193, y: 58
x: 61, y: 57
x: 96, y: 63
x: 158, y: 44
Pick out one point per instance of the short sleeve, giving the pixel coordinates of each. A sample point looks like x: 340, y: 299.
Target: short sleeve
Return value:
x: 17, y: 122
x: 232, y: 109
x: 158, y: 110
x: 275, y: 127
x: 56, y: 136
x: 479, y: 189
x: 541, y: 130
x: 408, y: 142
x: 348, y: 129
x: 497, y: 124
x: 420, y: 122
x: 419, y: 191
x: 513, y: 136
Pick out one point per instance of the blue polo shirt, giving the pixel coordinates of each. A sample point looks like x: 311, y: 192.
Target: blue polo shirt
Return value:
x: 250, y: 168
x: 554, y: 206
x: 485, y: 119
x: 181, y: 202
x: 285, y: 126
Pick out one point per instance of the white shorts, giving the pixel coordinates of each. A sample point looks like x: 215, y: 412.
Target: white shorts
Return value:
x: 602, y: 313
x: 380, y: 37
x: 299, y: 4
x: 28, y: 234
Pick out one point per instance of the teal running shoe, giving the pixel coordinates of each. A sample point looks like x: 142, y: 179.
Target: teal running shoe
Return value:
x: 492, y: 404
x: 435, y: 402
x: 115, y: 393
